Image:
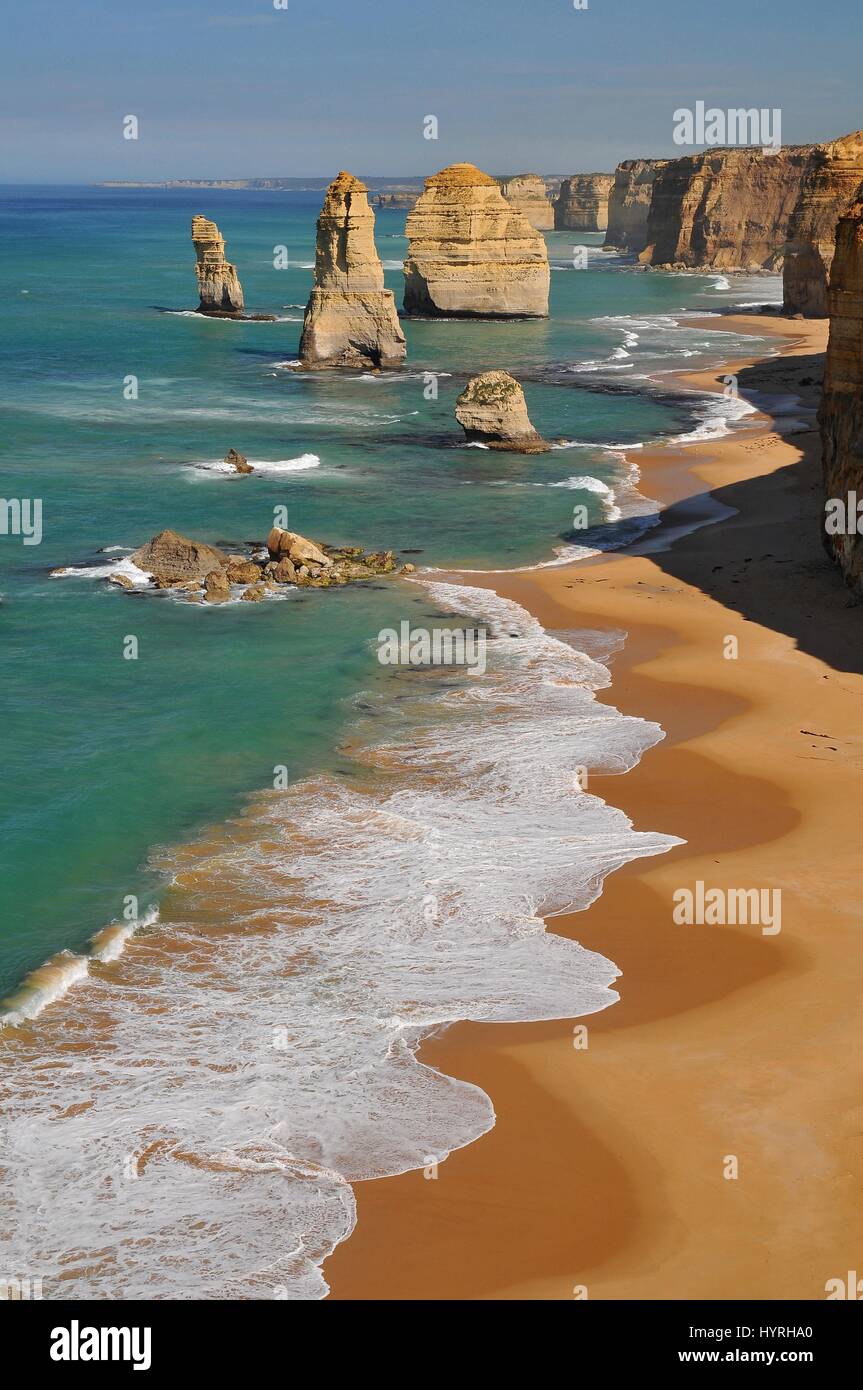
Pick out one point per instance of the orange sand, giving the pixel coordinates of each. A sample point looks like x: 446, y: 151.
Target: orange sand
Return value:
x: 605, y: 1168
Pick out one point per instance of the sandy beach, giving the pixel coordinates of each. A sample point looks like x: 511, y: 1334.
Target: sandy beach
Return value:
x: 605, y: 1173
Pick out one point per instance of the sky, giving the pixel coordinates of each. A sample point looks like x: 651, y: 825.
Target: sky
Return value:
x: 239, y: 88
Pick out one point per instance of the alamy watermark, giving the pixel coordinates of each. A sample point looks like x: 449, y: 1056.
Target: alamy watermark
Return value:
x: 22, y: 516
x: 437, y: 646
x: 735, y: 126
x: 843, y: 516
x: 729, y: 907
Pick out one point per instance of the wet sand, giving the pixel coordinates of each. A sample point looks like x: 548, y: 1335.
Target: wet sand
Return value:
x: 604, y: 1175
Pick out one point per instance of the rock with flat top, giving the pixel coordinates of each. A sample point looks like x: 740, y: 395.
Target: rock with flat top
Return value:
x: 471, y: 254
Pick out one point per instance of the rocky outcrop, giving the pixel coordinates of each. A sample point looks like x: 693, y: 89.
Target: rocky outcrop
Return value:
x: 727, y: 209
x: 218, y: 284
x: 492, y: 411
x: 206, y: 574
x: 240, y: 464
x: 582, y: 203
x: 174, y: 559
x: 350, y: 320
x: 629, y: 203
x: 832, y: 185
x: 841, y: 414
x: 528, y: 194
x: 470, y: 254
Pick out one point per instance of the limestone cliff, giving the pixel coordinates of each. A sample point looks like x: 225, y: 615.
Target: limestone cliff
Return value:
x: 492, y: 411
x: 829, y: 190
x: 841, y: 414
x: 729, y: 209
x: 582, y: 203
x: 470, y: 254
x: 629, y: 203
x: 528, y: 194
x: 394, y: 200
x: 218, y: 284
x: 350, y: 319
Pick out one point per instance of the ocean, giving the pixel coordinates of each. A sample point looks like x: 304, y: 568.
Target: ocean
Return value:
x: 295, y: 862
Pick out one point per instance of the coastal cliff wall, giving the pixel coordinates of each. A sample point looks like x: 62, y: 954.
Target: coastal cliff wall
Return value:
x: 582, y: 203
x: 528, y: 194
x: 728, y: 209
x: 629, y: 203
x: 841, y: 413
x: 471, y: 254
x: 831, y: 187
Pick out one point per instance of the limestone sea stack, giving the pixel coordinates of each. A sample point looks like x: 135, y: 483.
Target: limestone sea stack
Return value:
x: 492, y: 411
x: 629, y: 203
x: 472, y: 255
x: 582, y: 203
x: 727, y: 209
x: 528, y: 194
x: 832, y: 185
x: 841, y: 414
x: 350, y: 320
x: 218, y: 284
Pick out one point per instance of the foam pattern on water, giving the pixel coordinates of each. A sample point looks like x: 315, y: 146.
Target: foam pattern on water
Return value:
x: 187, y: 1120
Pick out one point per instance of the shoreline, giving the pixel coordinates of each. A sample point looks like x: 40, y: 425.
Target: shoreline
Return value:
x: 604, y: 1171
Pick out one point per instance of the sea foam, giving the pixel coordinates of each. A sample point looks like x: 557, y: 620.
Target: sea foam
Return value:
x: 203, y: 1102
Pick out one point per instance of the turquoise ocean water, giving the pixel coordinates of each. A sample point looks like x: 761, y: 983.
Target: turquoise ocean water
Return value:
x: 112, y: 766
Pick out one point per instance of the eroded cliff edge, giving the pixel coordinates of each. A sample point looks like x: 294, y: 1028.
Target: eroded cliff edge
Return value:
x: 727, y: 209
x: 841, y: 413
x: 830, y: 189
x: 582, y: 203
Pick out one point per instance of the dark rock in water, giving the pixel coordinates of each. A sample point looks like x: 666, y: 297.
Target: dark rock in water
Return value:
x: 238, y: 461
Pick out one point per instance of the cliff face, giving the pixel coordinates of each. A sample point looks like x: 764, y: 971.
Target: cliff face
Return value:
x: 218, y: 285
x: 350, y: 319
x: 728, y: 209
x: 582, y: 203
x: 528, y: 194
x: 629, y: 203
x: 841, y: 414
x: 471, y: 254
x: 829, y: 190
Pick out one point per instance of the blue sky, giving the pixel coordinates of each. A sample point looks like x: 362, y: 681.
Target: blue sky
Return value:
x: 238, y: 88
